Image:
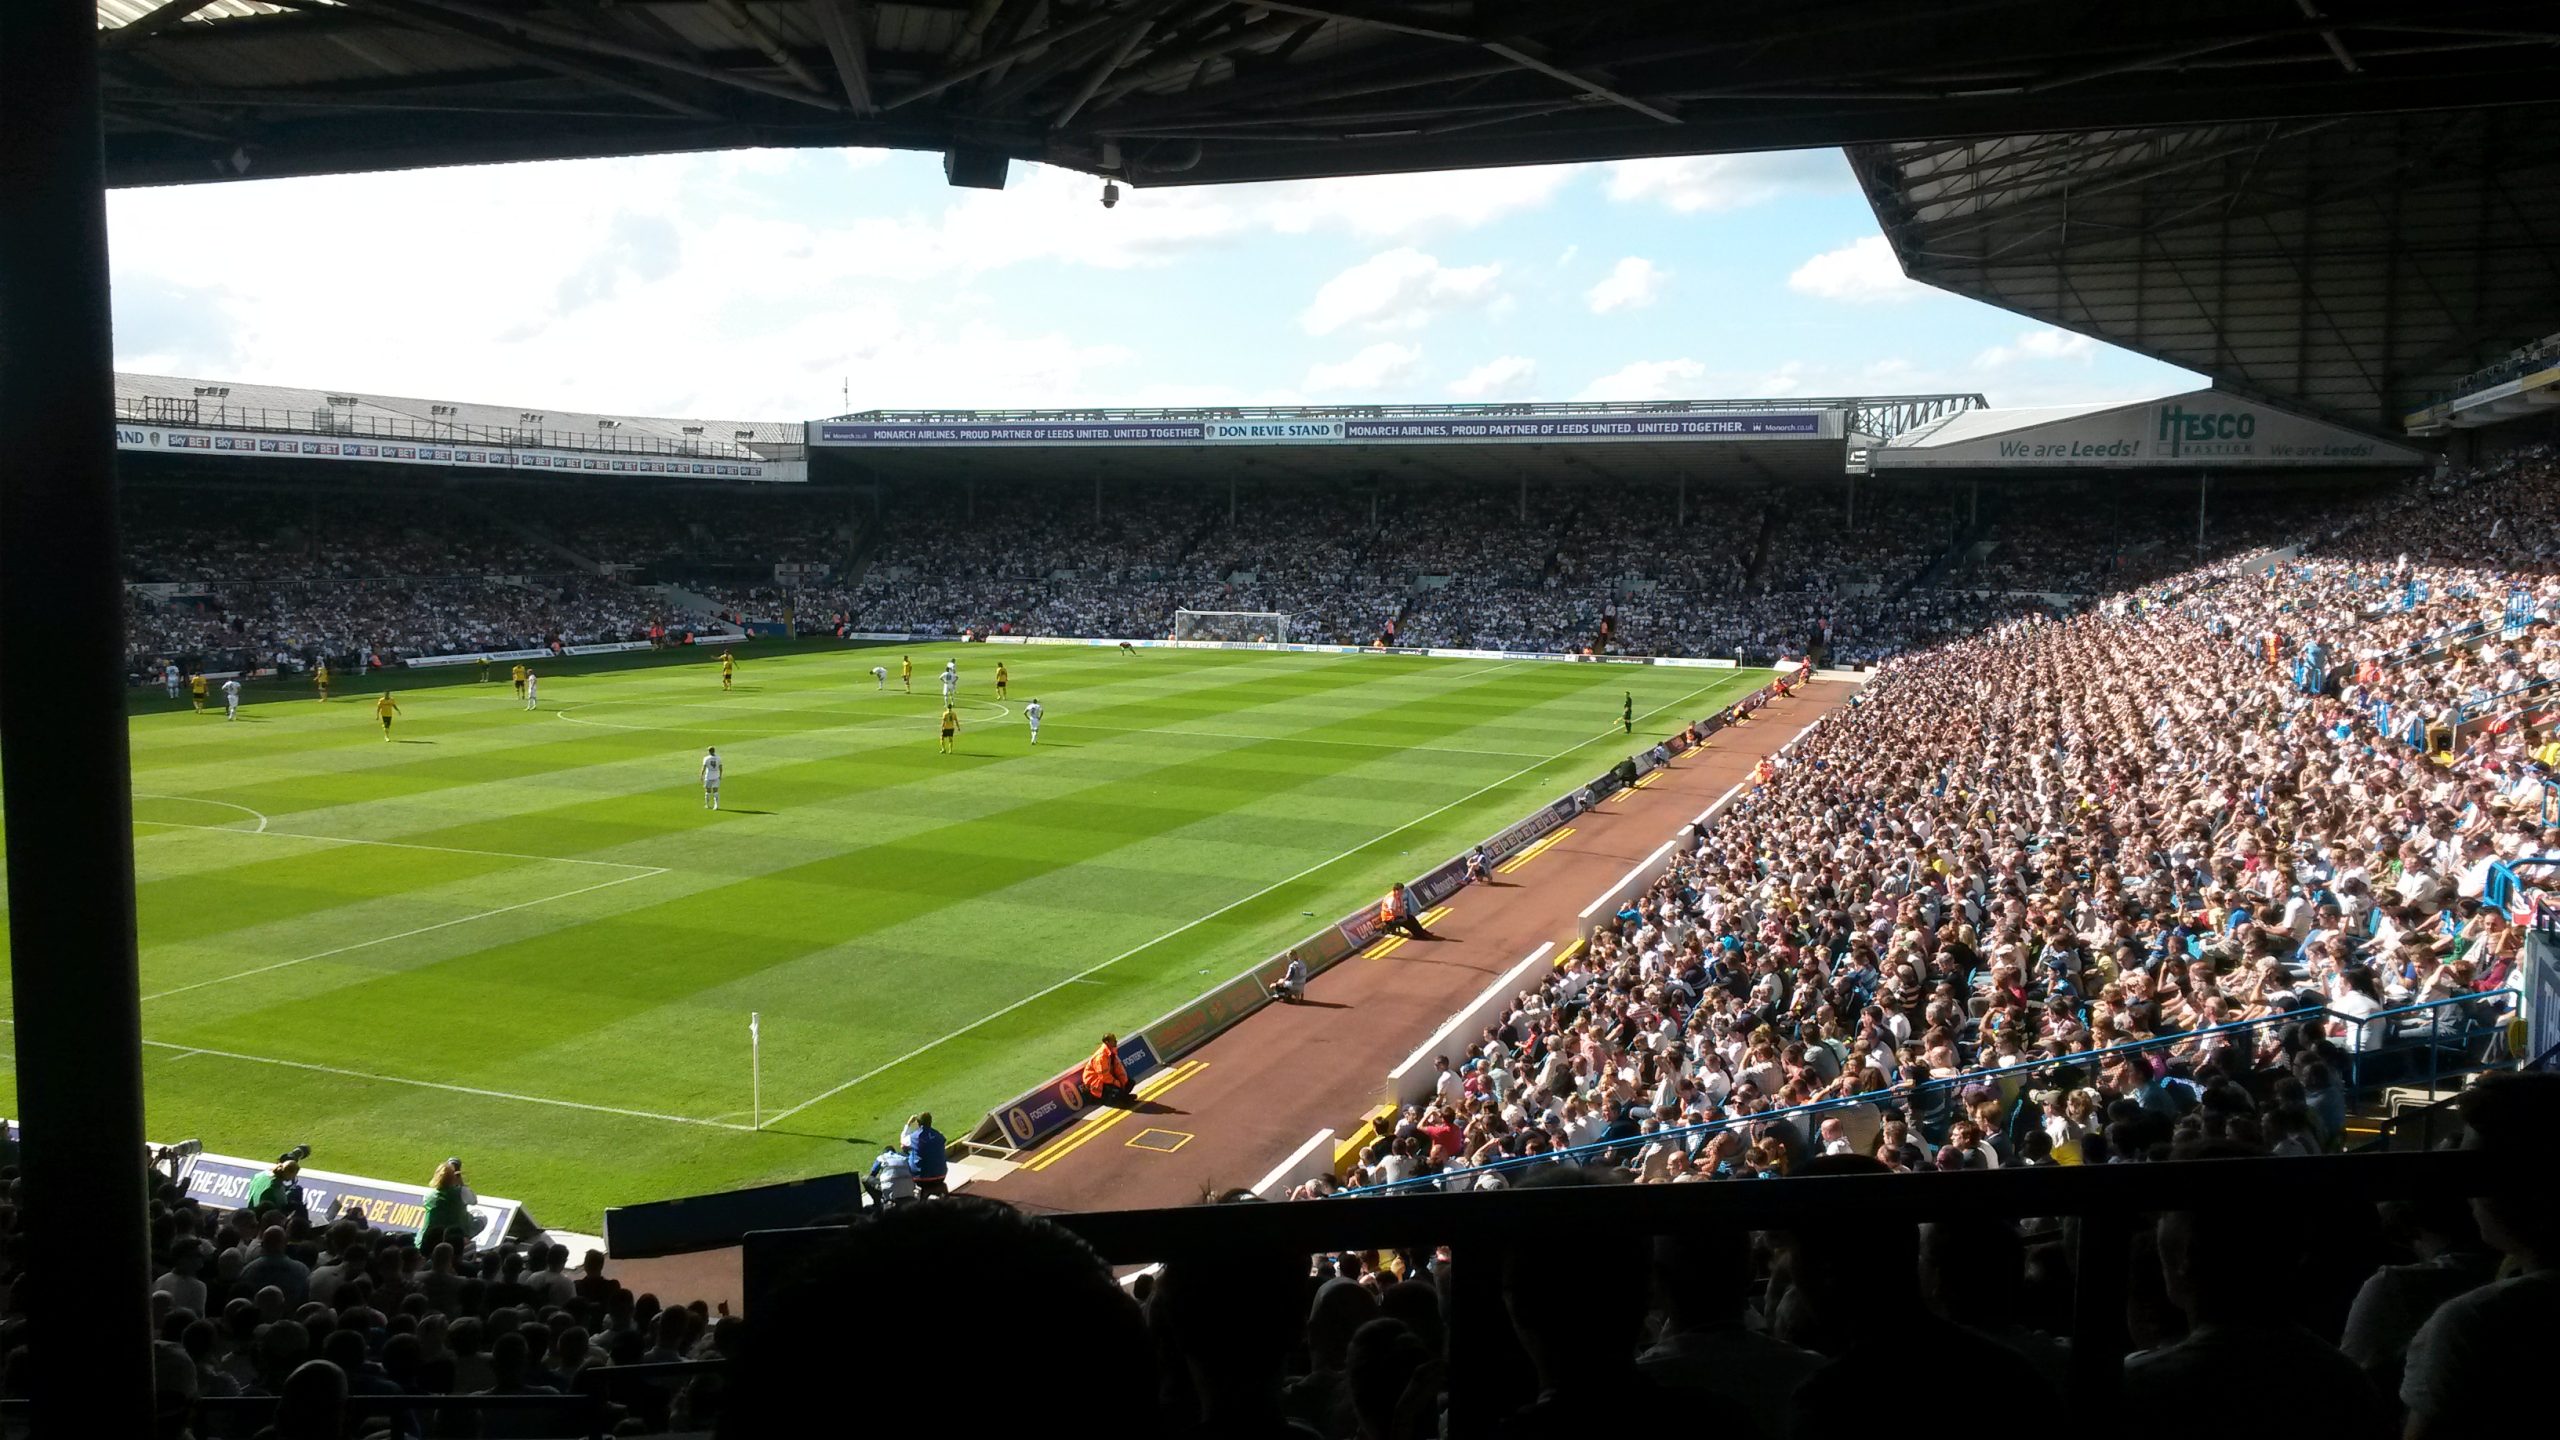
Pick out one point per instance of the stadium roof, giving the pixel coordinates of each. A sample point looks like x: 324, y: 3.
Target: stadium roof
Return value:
x: 1195, y: 91
x: 2353, y: 266
x: 234, y: 405
x: 2201, y: 431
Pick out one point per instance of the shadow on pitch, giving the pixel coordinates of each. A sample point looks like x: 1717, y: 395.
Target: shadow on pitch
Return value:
x: 413, y: 742
x: 740, y: 810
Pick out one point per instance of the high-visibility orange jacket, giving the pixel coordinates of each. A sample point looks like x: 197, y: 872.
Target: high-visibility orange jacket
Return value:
x: 1391, y: 907
x: 1104, y: 1069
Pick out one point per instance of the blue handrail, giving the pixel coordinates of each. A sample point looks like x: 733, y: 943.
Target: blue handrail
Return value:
x: 1896, y: 1095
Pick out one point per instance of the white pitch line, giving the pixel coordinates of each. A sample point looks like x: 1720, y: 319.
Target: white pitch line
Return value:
x: 646, y: 874
x: 199, y: 800
x: 1281, y: 1171
x: 405, y: 845
x: 449, y: 1089
x: 1189, y: 925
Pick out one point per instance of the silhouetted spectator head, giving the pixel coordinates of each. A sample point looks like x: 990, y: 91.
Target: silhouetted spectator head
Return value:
x: 971, y: 1279
x: 313, y: 1403
x: 2511, y: 1114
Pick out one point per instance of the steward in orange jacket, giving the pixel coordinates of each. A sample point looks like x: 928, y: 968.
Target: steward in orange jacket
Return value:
x: 1105, y: 1078
x: 1395, y: 912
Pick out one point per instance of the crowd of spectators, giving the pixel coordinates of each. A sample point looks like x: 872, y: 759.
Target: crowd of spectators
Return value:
x: 189, y: 535
x: 673, y: 530
x: 2270, y: 792
x: 338, y: 1321
x: 235, y: 579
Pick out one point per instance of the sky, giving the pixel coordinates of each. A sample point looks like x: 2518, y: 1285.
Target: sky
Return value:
x: 785, y: 285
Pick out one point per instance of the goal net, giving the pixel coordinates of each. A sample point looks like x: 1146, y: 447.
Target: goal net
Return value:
x: 1263, y: 625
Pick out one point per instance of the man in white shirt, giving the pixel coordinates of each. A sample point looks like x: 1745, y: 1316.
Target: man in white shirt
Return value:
x: 950, y: 679
x: 231, y: 699
x: 532, y: 689
x: 169, y: 678
x: 710, y: 778
x: 1032, y: 712
x: 880, y: 673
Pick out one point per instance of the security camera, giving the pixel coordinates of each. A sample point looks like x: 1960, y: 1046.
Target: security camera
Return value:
x: 1110, y: 194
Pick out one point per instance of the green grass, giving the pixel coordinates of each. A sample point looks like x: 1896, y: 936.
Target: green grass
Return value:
x: 535, y: 909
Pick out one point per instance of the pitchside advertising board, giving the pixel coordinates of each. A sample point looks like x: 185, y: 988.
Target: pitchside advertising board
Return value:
x: 222, y: 1182
x: 240, y: 446
x: 1055, y: 1104
x: 2201, y: 430
x: 1333, y: 430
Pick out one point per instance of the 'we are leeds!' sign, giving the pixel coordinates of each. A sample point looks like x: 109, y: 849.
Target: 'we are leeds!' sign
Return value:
x: 1324, y: 430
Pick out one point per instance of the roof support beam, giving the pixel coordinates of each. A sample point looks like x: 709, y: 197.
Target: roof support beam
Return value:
x: 572, y: 39
x: 1110, y: 66
x: 840, y: 23
x: 1028, y: 45
x: 169, y: 14
x: 550, y: 60
x: 1528, y: 57
x: 753, y: 32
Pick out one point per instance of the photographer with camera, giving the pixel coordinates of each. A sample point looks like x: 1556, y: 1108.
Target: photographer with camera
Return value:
x: 281, y: 1189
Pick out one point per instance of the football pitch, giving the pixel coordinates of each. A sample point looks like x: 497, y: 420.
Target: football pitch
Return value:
x: 518, y: 937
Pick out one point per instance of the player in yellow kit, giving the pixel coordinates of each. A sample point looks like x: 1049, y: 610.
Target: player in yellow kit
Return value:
x: 950, y: 727
x: 320, y: 679
x: 728, y: 670
x: 519, y: 679
x: 383, y: 710
x: 1000, y: 679
x: 195, y: 690
x: 906, y: 674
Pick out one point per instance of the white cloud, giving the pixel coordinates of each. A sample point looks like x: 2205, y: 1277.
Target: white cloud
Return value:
x: 1397, y: 289
x: 1690, y: 184
x: 1368, y: 373
x: 1505, y: 377
x: 1397, y: 206
x: 2040, y: 345
x: 1632, y: 284
x: 1862, y: 272
x: 1648, y: 380
x: 1567, y: 257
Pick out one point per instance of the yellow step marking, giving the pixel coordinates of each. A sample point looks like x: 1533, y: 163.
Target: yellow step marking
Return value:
x: 1110, y: 1115
x: 1534, y: 851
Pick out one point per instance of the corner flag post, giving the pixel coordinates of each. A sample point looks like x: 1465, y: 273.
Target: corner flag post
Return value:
x: 755, y: 1072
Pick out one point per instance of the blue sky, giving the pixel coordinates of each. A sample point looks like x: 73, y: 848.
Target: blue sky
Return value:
x: 762, y: 284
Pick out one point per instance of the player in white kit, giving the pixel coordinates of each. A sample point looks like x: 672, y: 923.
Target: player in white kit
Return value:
x: 710, y: 778
x: 950, y: 679
x: 881, y: 674
x: 1032, y: 712
x: 230, y: 699
x: 169, y: 677
x: 532, y: 689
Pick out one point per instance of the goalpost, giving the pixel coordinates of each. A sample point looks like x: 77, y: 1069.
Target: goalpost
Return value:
x: 1264, y: 625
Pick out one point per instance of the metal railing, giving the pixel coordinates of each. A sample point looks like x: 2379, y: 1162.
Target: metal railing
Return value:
x: 333, y: 424
x: 1907, y: 1096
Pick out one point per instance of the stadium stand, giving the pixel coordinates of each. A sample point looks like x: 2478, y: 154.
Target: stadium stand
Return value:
x: 2180, y: 877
